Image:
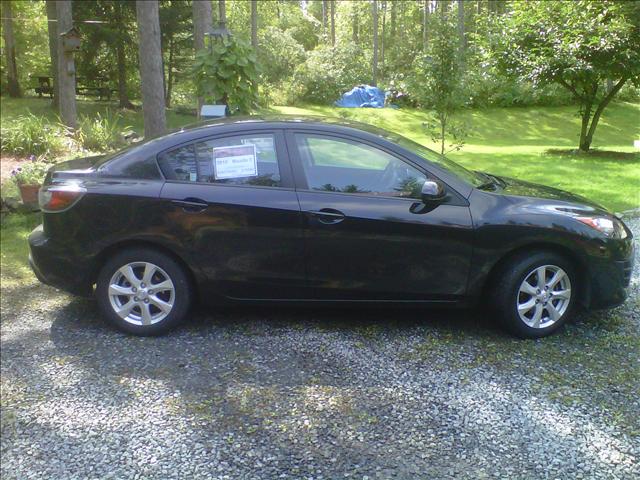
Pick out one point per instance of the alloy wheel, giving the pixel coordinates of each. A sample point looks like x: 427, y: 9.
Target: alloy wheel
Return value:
x: 141, y: 293
x: 544, y: 296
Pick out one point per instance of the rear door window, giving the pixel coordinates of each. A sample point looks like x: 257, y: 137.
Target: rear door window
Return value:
x: 250, y: 159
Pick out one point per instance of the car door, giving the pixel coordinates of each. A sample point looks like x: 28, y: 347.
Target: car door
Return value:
x: 367, y: 234
x: 231, y: 199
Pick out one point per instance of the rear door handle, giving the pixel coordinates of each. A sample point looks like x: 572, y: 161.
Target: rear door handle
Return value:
x: 191, y: 205
x: 327, y: 216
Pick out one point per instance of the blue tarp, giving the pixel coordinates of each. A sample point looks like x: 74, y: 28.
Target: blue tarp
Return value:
x: 362, y: 96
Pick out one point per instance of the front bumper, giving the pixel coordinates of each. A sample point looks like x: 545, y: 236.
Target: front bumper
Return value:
x: 610, y: 278
x: 56, y: 267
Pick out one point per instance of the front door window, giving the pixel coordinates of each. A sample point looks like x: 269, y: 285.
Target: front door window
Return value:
x: 333, y: 164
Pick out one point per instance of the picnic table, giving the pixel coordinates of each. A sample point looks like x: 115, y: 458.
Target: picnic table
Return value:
x: 99, y: 90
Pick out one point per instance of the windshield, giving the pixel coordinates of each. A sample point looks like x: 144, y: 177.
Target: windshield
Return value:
x: 473, y: 178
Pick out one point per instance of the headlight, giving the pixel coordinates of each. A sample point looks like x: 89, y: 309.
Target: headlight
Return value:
x: 611, y: 227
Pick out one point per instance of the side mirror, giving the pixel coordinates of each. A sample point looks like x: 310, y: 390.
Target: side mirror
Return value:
x: 433, y: 191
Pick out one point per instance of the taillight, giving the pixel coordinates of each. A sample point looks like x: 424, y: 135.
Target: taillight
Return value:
x: 59, y: 198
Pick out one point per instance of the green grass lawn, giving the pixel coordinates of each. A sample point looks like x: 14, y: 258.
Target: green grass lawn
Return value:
x: 504, y: 141
x: 513, y: 142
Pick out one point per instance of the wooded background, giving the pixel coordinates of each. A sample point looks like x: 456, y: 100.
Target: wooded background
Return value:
x: 432, y: 54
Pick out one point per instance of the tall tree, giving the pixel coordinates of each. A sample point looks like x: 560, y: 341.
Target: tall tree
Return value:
x: 222, y: 12
x: 461, y: 30
x: 354, y: 22
x: 151, y: 72
x: 576, y: 49
x: 202, y: 23
x: 393, y: 19
x: 324, y: 18
x: 374, y: 15
x: 122, y: 35
x: 52, y: 30
x: 439, y: 79
x: 10, y: 51
x: 425, y: 32
x: 382, y: 42
x: 66, y: 67
x: 254, y: 24
x: 332, y: 5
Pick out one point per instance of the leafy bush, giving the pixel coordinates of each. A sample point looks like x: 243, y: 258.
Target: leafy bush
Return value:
x: 280, y: 54
x: 330, y: 71
x: 228, y: 73
x: 32, y: 135
x: 30, y: 173
x: 100, y: 134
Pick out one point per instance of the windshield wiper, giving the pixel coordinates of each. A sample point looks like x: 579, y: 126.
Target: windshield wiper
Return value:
x: 489, y: 182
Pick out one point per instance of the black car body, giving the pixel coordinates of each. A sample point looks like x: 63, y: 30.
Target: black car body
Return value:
x: 292, y: 231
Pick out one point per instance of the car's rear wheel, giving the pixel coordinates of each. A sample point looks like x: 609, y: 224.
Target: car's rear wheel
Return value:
x: 534, y: 294
x: 143, y: 291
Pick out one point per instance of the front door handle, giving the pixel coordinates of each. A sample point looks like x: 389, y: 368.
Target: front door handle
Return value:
x: 191, y: 205
x: 327, y: 216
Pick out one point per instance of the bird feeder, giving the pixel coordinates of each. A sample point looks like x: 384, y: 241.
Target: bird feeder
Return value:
x: 71, y: 40
x: 218, y: 33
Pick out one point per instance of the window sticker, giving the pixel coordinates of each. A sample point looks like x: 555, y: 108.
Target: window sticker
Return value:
x: 235, y: 161
x: 263, y: 144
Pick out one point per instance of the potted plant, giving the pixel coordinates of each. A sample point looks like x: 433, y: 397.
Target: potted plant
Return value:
x: 29, y: 177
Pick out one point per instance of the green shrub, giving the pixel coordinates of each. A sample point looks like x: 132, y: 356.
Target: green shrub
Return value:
x: 228, y: 73
x: 32, y: 135
x: 330, y: 71
x: 280, y: 54
x: 100, y: 133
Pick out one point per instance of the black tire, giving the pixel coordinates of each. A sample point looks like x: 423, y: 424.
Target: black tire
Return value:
x: 182, y: 297
x: 505, y: 292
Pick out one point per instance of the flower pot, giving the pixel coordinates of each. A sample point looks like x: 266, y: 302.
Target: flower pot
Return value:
x: 29, y: 194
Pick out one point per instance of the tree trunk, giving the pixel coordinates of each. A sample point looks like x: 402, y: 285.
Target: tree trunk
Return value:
x: 384, y: 16
x: 586, y: 115
x: 254, y: 24
x: 66, y: 67
x: 52, y: 29
x: 202, y: 23
x: 222, y: 12
x: 167, y: 96
x: 10, y: 50
x: 461, y: 32
x: 374, y: 6
x: 586, y: 136
x: 333, y: 22
x: 151, y: 75
x: 354, y: 22
x: 393, y: 20
x: 121, y: 60
x: 324, y: 18
x: 425, y: 33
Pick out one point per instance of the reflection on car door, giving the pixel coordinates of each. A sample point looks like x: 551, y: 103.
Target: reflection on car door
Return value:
x: 243, y: 229
x: 367, y: 235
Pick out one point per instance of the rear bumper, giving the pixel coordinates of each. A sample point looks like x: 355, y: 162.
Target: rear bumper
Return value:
x: 54, y: 266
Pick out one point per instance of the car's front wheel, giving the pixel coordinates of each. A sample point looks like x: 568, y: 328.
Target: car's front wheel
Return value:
x: 534, y: 293
x: 143, y: 291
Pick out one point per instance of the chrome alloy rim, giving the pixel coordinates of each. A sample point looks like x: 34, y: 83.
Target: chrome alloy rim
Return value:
x: 141, y: 293
x: 544, y: 296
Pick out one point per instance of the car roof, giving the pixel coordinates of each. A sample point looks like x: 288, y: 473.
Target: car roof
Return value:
x: 285, y: 120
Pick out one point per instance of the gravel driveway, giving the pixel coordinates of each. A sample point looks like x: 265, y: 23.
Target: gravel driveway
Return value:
x: 293, y: 393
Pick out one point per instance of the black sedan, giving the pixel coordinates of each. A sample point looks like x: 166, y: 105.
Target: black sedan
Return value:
x: 318, y: 211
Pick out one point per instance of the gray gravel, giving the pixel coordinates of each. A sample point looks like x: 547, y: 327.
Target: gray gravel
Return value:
x: 303, y: 393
